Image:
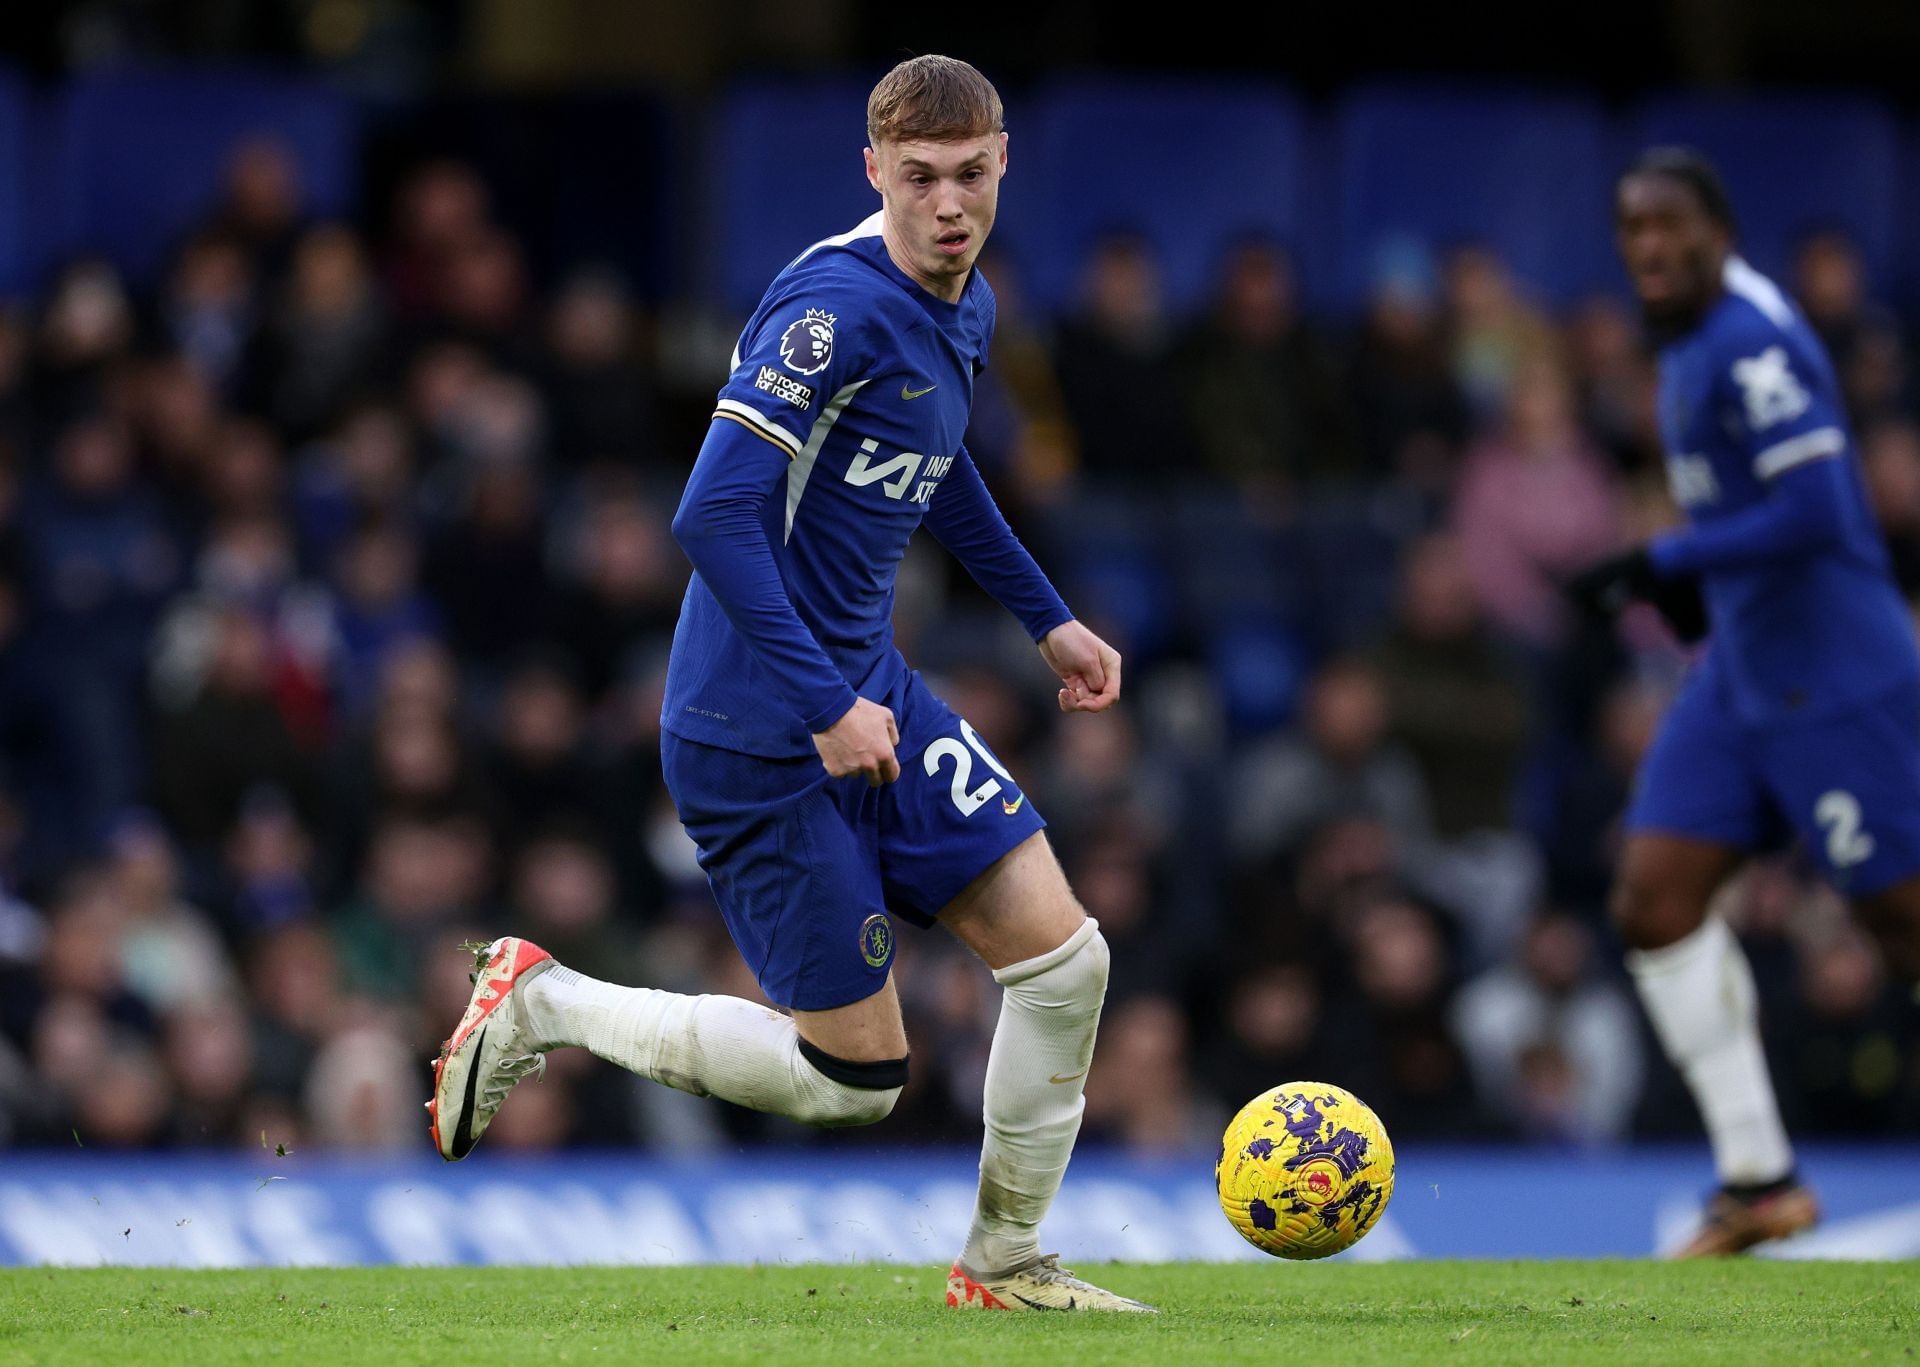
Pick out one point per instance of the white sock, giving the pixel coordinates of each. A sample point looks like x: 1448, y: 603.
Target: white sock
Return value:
x: 1699, y: 992
x: 709, y: 1046
x: 1036, y: 1079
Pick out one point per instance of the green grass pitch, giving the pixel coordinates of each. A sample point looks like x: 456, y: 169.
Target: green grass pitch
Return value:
x: 1599, y: 1312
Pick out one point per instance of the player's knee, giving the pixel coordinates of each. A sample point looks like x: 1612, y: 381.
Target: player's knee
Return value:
x: 1650, y: 916
x: 1069, y: 978
x: 840, y: 1093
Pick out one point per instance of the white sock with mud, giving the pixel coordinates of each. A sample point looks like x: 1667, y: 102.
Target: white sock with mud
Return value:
x: 1036, y: 1079
x: 1699, y: 993
x: 710, y: 1046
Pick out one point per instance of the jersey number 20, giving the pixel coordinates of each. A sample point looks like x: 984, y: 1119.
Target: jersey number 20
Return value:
x: 967, y: 802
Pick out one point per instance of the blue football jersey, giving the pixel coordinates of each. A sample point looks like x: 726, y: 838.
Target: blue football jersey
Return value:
x: 1745, y: 397
x: 863, y: 381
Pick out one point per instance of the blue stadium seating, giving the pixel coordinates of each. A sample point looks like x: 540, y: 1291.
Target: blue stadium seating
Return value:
x: 1190, y: 165
x: 16, y: 267
x: 1793, y: 163
x: 1524, y: 172
x: 143, y: 152
x: 785, y: 172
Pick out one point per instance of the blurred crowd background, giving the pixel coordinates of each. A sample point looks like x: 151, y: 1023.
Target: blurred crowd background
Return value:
x: 342, y: 414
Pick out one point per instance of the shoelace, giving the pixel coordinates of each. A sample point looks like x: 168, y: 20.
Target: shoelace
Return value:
x: 1048, y: 1269
x: 506, y: 1073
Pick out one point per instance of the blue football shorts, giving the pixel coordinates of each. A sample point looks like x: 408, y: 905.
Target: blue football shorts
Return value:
x: 1848, y: 784
x: 808, y: 869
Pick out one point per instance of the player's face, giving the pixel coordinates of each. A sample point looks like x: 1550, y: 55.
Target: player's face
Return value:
x: 940, y: 199
x: 1673, y: 249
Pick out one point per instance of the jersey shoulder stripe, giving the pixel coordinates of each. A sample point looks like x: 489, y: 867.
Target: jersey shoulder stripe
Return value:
x: 755, y: 422
x: 1815, y: 445
x: 1747, y: 283
x: 867, y: 227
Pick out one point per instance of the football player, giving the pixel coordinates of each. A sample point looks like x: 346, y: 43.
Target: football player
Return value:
x: 1802, y: 715
x: 830, y: 791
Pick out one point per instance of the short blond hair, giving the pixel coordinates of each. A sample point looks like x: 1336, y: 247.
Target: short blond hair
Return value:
x: 933, y: 99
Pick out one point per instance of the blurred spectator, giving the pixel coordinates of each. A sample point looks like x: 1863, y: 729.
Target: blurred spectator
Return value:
x: 207, y: 311
x: 378, y: 609
x: 1890, y: 460
x: 1020, y: 435
x: 101, y: 561
x: 1266, y: 409
x: 1861, y: 335
x: 263, y: 202
x: 1404, y: 1058
x: 627, y: 590
x: 170, y: 955
x: 323, y: 341
x: 1412, y: 414
x: 1581, y: 833
x: 1849, y: 1046
x: 1495, y: 330
x: 86, y: 326
x: 1342, y: 763
x: 421, y: 878
x: 1140, y: 1092
x: 1534, y: 506
x: 1613, y: 375
x: 227, y: 741
x: 361, y: 473
x: 362, y: 1092
x: 539, y: 766
x: 1554, y: 1046
x: 440, y: 206
x: 597, y: 387
x: 1115, y: 359
x: 1271, y: 1029
x: 486, y: 568
x: 1453, y: 698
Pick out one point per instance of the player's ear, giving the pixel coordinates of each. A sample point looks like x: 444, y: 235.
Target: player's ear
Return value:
x: 1003, y: 154
x: 873, y: 167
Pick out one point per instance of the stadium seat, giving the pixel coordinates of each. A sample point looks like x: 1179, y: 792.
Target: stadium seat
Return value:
x: 786, y: 172
x: 1228, y: 563
x: 1199, y: 165
x: 1794, y: 163
x: 144, y: 152
x: 16, y: 269
x: 1526, y: 173
x: 1259, y: 668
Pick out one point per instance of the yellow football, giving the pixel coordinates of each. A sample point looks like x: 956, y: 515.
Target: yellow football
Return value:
x: 1304, y: 1170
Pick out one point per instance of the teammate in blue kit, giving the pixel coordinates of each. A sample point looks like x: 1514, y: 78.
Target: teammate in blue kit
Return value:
x: 827, y: 787
x: 1803, y: 714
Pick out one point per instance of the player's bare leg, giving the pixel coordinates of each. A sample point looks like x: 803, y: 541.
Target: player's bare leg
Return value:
x: 833, y: 1068
x: 1699, y: 992
x: 1023, y: 921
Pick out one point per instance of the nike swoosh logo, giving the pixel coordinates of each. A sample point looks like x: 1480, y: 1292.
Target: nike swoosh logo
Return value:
x: 1038, y: 1306
x: 1011, y: 807
x: 1057, y: 1080
x: 907, y: 393
x: 463, y: 1133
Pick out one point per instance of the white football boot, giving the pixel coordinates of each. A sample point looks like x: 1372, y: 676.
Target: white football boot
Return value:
x: 490, y: 1051
x: 1041, y: 1285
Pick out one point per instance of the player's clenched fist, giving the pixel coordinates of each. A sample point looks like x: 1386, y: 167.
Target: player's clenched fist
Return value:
x: 861, y: 743
x: 1087, y: 665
